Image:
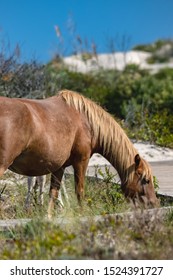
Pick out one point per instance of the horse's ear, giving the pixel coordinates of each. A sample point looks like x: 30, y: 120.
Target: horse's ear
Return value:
x: 137, y: 160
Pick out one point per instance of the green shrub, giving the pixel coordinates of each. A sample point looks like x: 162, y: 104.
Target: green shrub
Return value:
x: 157, y: 59
x: 156, y: 128
x: 39, y: 240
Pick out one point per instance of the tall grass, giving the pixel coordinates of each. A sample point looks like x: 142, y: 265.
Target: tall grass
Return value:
x: 77, y: 234
x: 101, y: 196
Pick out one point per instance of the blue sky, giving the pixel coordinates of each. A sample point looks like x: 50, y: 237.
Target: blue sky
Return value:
x: 31, y: 24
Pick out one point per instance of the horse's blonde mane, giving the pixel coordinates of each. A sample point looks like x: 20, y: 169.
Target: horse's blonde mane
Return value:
x: 117, y: 147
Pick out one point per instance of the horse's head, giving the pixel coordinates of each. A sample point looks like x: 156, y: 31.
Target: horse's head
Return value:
x: 142, y: 185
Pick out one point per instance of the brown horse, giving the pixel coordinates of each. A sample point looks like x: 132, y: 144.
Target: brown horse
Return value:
x: 38, y: 137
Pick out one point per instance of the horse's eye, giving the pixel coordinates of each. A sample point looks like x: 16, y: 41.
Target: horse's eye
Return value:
x: 145, y: 181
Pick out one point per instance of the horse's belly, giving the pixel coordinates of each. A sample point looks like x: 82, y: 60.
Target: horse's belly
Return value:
x: 35, y: 166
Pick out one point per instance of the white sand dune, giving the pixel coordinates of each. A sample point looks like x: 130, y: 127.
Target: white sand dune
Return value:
x: 116, y: 60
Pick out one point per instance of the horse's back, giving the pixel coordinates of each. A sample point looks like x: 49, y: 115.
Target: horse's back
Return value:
x: 46, y: 133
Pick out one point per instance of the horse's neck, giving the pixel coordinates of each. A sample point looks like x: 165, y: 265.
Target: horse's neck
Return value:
x: 120, y: 153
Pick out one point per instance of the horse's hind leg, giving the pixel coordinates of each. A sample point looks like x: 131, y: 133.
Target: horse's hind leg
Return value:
x: 60, y: 202
x: 2, y: 170
x: 31, y: 182
x: 64, y: 190
x: 56, y: 178
x: 41, y: 182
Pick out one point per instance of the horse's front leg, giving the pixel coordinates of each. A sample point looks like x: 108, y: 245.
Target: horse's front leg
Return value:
x: 79, y: 175
x: 2, y: 170
x: 56, y: 178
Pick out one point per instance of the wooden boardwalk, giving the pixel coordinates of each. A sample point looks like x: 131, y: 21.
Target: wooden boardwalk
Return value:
x: 163, y: 171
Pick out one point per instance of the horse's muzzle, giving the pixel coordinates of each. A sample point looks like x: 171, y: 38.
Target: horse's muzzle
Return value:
x: 150, y: 203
